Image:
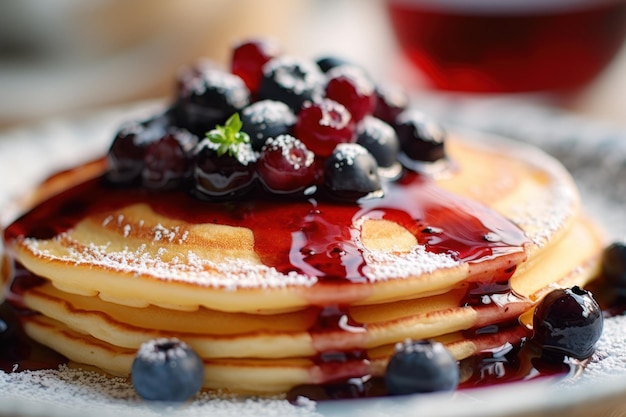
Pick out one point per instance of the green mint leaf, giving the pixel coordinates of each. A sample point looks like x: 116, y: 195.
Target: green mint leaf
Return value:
x: 234, y: 123
x: 228, y: 137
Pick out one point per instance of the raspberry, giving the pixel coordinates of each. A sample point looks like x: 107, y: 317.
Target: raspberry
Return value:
x: 351, y: 86
x: 286, y: 165
x: 323, y: 125
x: 248, y: 60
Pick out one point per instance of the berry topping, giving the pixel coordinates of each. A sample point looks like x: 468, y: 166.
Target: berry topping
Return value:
x: 614, y: 266
x: 286, y: 165
x: 568, y: 322
x: 379, y: 139
x: 291, y: 80
x: 324, y: 124
x: 327, y: 63
x: 167, y: 163
x: 391, y: 100
x: 224, y: 161
x: 125, y: 157
x: 350, y: 86
x: 249, y: 58
x: 351, y: 172
x: 209, y: 98
x: 167, y: 370
x: 265, y: 119
x: 421, y: 139
x: 419, y: 367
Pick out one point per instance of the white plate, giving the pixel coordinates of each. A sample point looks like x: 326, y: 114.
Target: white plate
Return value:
x: 29, y: 154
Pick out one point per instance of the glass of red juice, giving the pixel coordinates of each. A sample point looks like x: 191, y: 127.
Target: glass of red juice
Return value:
x: 509, y: 46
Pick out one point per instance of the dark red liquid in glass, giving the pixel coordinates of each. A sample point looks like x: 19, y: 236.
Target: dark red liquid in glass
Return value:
x: 520, y: 49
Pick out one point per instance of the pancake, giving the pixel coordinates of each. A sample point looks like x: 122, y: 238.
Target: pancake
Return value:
x: 107, y: 274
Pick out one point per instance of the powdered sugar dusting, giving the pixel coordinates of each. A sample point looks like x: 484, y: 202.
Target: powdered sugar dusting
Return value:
x: 71, y: 392
x: 545, y: 216
x: 383, y: 265
x: 229, y: 274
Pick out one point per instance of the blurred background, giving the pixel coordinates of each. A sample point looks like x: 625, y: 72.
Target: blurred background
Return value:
x: 65, y: 57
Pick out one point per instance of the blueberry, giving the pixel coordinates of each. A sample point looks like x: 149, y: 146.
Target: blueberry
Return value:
x: 125, y: 157
x: 167, y: 163
x: 419, y: 367
x: 208, y: 97
x: 167, y: 370
x: 291, y: 80
x: 379, y: 139
x: 351, y: 172
x: 421, y: 139
x: 391, y: 100
x: 327, y: 63
x: 220, y: 176
x: 266, y: 119
x: 614, y: 266
x: 568, y: 322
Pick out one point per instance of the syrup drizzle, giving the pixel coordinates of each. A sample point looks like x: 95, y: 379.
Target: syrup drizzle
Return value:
x: 314, y: 236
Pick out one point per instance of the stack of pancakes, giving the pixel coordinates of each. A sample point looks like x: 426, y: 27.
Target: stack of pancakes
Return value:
x: 106, y: 278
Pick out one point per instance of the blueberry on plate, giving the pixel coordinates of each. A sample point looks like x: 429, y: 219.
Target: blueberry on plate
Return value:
x: 568, y: 322
x: 614, y: 266
x: 167, y: 370
x: 351, y: 172
x: 421, y: 366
